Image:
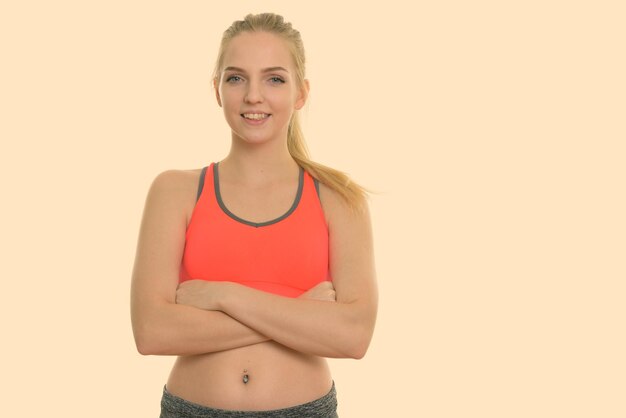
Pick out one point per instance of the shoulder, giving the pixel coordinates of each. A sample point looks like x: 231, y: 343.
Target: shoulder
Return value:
x: 338, y: 214
x: 173, y: 180
x: 176, y: 189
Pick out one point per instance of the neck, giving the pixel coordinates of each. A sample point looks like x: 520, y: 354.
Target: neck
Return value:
x: 258, y: 163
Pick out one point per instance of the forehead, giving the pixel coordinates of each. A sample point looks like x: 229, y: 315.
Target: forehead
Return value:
x: 255, y: 50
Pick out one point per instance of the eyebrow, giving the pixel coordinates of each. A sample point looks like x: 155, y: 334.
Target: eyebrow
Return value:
x: 264, y: 70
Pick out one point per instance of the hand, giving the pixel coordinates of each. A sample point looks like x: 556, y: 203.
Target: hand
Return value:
x: 324, y: 291
x: 201, y: 294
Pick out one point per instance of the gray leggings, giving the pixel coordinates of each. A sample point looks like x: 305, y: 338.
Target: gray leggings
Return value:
x: 175, y: 407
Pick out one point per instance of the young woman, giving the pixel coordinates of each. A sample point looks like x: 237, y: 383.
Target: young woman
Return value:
x: 254, y: 269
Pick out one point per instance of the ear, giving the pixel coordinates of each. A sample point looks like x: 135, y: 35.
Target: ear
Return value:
x: 303, y: 94
x: 217, y: 92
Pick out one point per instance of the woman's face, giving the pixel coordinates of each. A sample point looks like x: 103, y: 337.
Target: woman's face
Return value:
x: 257, y: 89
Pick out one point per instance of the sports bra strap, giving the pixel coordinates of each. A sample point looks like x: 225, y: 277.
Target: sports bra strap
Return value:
x: 317, y: 186
x: 201, y: 183
x: 203, y: 175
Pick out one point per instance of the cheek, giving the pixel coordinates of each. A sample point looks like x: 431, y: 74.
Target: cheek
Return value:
x: 231, y: 96
x: 281, y: 100
x: 229, y: 101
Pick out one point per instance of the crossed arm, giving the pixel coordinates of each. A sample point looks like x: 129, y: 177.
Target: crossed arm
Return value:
x: 201, y: 317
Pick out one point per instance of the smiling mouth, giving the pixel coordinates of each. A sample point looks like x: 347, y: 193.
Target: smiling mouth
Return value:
x: 255, y: 116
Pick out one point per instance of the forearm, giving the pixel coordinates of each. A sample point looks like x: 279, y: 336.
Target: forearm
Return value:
x: 327, y: 329
x: 171, y: 329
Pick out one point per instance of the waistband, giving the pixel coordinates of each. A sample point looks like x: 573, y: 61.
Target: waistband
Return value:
x: 174, y: 407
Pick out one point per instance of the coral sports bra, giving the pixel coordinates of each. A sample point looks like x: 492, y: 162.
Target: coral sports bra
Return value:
x: 285, y: 256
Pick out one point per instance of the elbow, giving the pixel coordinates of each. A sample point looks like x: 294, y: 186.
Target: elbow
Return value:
x: 144, y: 351
x: 358, y: 350
x: 359, y: 338
x: 358, y: 354
x: 143, y: 345
x: 150, y: 333
x: 151, y: 348
x: 358, y: 344
x: 144, y: 348
x: 147, y: 343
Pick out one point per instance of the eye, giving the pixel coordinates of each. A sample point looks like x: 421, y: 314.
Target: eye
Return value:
x: 277, y: 80
x: 233, y: 78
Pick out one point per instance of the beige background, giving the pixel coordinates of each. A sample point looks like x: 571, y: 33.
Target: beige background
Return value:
x: 494, y: 132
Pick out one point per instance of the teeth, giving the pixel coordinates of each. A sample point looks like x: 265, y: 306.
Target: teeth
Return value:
x: 256, y: 116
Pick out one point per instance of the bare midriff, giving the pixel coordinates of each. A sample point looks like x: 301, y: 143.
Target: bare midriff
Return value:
x: 276, y: 377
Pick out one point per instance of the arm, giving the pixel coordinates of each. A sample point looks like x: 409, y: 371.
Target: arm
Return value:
x: 160, y: 326
x: 330, y: 329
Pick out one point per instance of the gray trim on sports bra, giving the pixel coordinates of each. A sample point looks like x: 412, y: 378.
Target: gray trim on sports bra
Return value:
x: 203, y: 175
x: 201, y: 183
x: 218, y: 195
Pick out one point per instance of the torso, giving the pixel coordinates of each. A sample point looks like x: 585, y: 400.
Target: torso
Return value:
x: 279, y: 377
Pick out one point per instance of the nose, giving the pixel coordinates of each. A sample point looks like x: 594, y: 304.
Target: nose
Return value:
x: 253, y: 93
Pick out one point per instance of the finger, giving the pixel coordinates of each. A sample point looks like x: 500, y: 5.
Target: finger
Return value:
x: 325, y: 285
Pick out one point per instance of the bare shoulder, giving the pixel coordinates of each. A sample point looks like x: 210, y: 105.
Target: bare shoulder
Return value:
x: 338, y: 212
x: 176, y: 180
x: 179, y: 187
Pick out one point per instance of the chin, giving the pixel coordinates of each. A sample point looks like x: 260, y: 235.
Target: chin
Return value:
x: 247, y: 137
x: 253, y: 139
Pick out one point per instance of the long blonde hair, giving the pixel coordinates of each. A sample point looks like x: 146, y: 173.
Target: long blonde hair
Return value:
x: 353, y: 194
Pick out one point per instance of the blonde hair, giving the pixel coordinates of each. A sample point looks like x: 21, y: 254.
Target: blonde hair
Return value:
x: 353, y: 194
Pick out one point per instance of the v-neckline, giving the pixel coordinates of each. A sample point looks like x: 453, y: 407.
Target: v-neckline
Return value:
x: 220, y: 202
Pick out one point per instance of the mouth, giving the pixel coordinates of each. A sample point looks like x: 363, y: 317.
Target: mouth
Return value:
x: 255, y: 116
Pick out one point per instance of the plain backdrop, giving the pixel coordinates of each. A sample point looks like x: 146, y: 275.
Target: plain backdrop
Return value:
x: 493, y: 132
